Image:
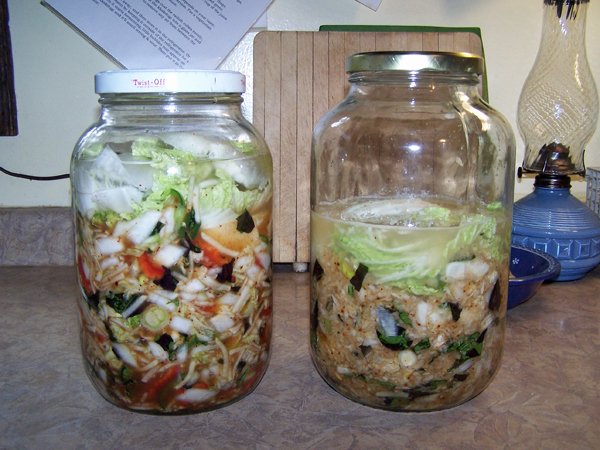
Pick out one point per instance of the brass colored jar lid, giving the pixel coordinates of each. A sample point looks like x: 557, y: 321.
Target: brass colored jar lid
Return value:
x: 443, y: 62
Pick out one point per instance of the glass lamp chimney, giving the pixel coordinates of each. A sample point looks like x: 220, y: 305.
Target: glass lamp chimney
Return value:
x: 558, y: 106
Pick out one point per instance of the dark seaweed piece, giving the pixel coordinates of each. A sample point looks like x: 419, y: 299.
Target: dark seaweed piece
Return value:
x: 472, y: 353
x: 168, y: 281
x: 226, y: 273
x: 421, y: 345
x: 398, y: 342
x: 192, y: 227
x: 365, y: 349
x: 461, y: 376
x: 245, y: 223
x: 165, y: 341
x: 467, y: 346
x: 112, y: 339
x: 92, y: 300
x: 389, y: 331
x: 157, y: 228
x: 495, y: 298
x: 314, y: 317
x: 359, y: 276
x: 481, y: 336
x: 455, y: 309
x: 120, y: 302
x: 317, y: 272
x: 240, y: 187
x: 192, y: 247
x: 240, y: 365
x: 404, y: 317
x: 189, y: 230
x: 241, y: 372
x: 246, y: 324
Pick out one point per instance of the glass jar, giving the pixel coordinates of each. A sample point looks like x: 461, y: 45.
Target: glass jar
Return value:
x: 172, y: 192
x: 411, y: 194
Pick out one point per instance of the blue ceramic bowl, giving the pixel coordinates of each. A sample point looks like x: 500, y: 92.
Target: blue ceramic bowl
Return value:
x: 529, y: 269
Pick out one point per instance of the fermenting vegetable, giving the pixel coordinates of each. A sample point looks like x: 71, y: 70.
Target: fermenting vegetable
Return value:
x: 405, y: 299
x: 173, y: 254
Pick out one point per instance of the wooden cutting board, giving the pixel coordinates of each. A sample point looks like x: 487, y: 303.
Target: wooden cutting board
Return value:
x: 298, y: 77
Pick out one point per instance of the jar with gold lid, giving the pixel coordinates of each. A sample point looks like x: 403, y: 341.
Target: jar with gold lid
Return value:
x: 411, y: 206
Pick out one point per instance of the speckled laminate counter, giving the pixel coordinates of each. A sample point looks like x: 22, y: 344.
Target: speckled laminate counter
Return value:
x: 546, y: 395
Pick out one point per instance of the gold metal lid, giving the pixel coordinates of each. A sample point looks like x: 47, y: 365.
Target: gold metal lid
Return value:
x: 444, y: 62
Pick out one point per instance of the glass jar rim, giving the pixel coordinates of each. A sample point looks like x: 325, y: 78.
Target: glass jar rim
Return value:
x: 422, y: 61
x: 169, y: 81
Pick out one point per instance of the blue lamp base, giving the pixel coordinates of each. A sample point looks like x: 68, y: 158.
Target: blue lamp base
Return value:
x: 552, y: 220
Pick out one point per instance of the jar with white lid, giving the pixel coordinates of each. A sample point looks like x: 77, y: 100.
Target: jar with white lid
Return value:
x: 411, y: 206
x: 172, y: 198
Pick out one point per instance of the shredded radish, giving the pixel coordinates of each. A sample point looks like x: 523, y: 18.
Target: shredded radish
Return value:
x: 228, y: 299
x: 196, y: 395
x: 134, y: 306
x: 141, y: 227
x: 222, y: 322
x: 193, y: 286
x: 168, y: 255
x: 168, y: 218
x: 182, y: 353
x: 108, y: 246
x: 214, y: 284
x: 158, y: 352
x: 244, y: 295
x: 125, y: 354
x: 109, y: 262
x: 162, y: 301
x: 255, y: 273
x: 181, y: 324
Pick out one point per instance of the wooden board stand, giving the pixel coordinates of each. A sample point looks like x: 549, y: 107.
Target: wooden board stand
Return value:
x: 298, y: 77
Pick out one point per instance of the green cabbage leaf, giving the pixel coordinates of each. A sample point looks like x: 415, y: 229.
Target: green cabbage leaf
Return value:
x: 403, y: 259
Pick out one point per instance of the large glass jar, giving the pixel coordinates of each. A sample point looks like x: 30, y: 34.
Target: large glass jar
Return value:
x: 172, y: 192
x: 411, y: 196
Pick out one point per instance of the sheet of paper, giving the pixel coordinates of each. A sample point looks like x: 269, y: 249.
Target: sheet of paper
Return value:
x: 373, y: 4
x: 162, y: 34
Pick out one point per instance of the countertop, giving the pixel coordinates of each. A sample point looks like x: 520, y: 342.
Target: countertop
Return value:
x: 546, y: 394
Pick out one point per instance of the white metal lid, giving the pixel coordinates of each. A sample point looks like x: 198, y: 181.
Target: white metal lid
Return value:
x: 157, y: 81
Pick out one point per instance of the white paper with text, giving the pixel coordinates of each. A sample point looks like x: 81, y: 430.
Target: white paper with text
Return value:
x: 373, y: 4
x: 162, y: 34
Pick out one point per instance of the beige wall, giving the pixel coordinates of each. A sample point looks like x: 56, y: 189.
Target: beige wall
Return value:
x: 54, y: 69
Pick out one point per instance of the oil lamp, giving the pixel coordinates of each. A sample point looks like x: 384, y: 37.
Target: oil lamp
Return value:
x: 557, y: 115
